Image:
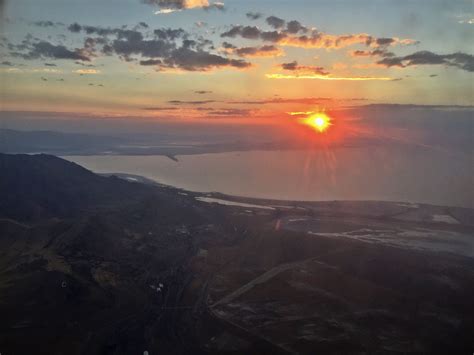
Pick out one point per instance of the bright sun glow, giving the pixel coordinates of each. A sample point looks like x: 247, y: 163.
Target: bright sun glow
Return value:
x: 319, y: 121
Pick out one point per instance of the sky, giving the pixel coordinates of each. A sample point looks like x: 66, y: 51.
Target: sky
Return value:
x: 232, y: 60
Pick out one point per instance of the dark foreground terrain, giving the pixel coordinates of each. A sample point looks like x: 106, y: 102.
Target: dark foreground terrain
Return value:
x: 100, y: 265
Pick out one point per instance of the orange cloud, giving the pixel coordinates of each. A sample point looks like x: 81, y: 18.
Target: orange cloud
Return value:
x: 170, y: 6
x: 189, y: 4
x: 87, y: 71
x: 321, y: 40
x: 339, y: 66
x: 327, y: 77
x: 367, y: 66
x: 314, y: 38
x: 300, y: 113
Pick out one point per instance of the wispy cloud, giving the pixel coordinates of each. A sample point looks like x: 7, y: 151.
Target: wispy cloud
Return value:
x: 459, y: 60
x: 197, y: 102
x: 47, y: 24
x: 327, y: 77
x: 299, y: 70
x: 253, y: 15
x: 299, y: 101
x: 86, y: 71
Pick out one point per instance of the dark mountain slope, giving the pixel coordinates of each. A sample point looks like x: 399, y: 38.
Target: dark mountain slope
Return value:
x: 78, y: 253
x: 95, y: 265
x: 34, y: 187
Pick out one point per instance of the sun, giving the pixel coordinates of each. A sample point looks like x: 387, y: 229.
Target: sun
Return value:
x: 318, y: 121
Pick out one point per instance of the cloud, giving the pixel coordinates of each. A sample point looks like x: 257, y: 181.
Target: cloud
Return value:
x: 301, y: 101
x: 43, y: 49
x: 166, y: 11
x: 107, y: 31
x: 216, y: 5
x: 270, y: 101
x: 263, y: 51
x: 153, y: 62
x: 373, y: 53
x: 316, y: 72
x: 227, y: 45
x: 177, y: 4
x: 304, y: 69
x: 168, y: 50
x: 85, y: 64
x: 199, y: 105
x: 169, y: 6
x: 253, y: 32
x: 457, y: 60
x: 467, y: 22
x: 249, y: 32
x: 391, y: 106
x: 229, y: 112
x: 197, y: 102
x: 160, y: 108
x: 275, y: 22
x: 86, y: 71
x: 200, y: 24
x: 169, y: 33
x: 202, y: 111
x: 192, y: 60
x: 31, y: 70
x: 47, y: 24
x: 45, y: 70
x: 202, y: 92
x: 327, y: 77
x: 7, y: 63
x: 300, y: 113
x: 50, y: 65
x: 339, y: 66
x: 318, y: 39
x: 75, y: 27
x: 11, y: 70
x: 294, y: 27
x: 254, y: 15
x: 297, y: 35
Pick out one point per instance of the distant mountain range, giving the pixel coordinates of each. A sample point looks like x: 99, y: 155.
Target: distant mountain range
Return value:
x: 64, y: 144
x: 13, y: 141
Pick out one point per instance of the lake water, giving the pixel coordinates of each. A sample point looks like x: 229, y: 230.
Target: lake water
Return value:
x: 372, y: 173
